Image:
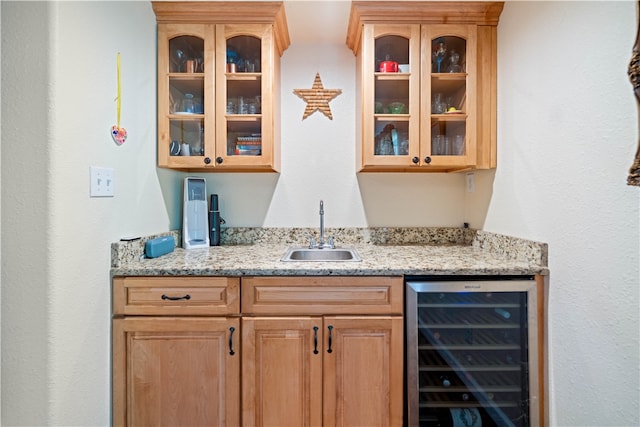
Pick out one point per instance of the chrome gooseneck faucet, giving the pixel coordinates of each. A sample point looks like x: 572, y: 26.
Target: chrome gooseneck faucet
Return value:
x: 322, y: 244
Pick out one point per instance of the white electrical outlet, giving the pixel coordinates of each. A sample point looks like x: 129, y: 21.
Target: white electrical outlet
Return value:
x: 471, y: 183
x: 102, y: 184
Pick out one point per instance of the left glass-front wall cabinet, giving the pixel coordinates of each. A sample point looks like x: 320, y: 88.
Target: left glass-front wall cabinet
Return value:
x: 218, y: 85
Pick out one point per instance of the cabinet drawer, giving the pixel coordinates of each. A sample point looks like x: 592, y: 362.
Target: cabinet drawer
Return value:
x: 322, y: 295
x: 176, y: 295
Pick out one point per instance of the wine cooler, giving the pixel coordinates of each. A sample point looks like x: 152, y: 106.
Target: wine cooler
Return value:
x: 472, y: 352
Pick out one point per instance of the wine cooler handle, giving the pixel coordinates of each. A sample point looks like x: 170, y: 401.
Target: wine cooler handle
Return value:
x: 315, y: 340
x: 330, y: 327
x: 231, y: 330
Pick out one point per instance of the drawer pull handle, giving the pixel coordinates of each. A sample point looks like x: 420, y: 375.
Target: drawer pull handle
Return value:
x: 232, y: 330
x: 187, y: 297
x: 315, y: 340
x: 329, y: 350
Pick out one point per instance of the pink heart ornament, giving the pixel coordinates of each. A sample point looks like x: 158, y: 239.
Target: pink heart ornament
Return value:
x: 118, y: 134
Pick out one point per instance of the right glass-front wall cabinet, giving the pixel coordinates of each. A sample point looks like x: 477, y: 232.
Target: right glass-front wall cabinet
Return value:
x: 426, y: 72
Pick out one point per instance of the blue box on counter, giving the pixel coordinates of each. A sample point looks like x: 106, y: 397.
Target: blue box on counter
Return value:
x: 159, y: 246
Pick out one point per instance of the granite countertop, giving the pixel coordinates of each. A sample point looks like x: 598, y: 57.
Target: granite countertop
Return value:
x: 384, y: 251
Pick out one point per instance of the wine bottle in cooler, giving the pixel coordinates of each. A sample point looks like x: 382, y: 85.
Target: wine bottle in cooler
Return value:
x: 461, y: 417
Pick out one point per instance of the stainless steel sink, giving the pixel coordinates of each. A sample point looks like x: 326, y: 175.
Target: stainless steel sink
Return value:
x: 321, y: 255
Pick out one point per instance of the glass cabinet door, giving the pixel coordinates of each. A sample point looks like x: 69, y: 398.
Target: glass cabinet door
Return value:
x: 392, y: 71
x: 183, y: 98
x: 472, y: 353
x: 448, y: 125
x: 243, y: 87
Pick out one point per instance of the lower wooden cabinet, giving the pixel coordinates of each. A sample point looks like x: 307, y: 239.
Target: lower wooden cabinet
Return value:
x: 176, y: 360
x: 363, y: 375
x: 282, y: 375
x: 175, y: 372
x: 322, y: 371
x: 292, y: 351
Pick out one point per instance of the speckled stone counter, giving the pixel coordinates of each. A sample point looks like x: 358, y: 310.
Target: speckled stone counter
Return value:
x: 384, y: 251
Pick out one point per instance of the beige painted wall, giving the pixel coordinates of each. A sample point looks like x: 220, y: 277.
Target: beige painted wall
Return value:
x: 567, y: 131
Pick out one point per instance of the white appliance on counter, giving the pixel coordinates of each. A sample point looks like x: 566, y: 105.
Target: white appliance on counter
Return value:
x: 195, y: 216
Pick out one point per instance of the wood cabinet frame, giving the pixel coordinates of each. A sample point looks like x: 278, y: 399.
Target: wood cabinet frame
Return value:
x: 214, y: 23
x: 172, y: 344
x: 474, y: 21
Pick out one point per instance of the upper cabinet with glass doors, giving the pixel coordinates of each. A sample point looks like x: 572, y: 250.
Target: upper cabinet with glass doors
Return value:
x: 218, y: 85
x: 427, y: 76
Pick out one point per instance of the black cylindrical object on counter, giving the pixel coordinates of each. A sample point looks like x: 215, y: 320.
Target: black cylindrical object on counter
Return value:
x: 214, y: 221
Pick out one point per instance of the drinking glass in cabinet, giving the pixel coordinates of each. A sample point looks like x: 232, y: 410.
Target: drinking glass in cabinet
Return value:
x: 243, y: 54
x: 439, y: 53
x: 187, y: 104
x: 186, y: 95
x: 187, y: 137
x: 458, y: 145
x: 392, y: 140
x: 438, y: 106
x: 448, y: 54
x: 454, y: 59
x: 445, y: 145
x: 186, y: 54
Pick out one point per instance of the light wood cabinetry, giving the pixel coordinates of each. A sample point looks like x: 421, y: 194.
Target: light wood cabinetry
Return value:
x: 437, y: 112
x: 303, y: 351
x: 335, y: 359
x: 219, y: 85
x: 174, y: 363
x: 282, y: 373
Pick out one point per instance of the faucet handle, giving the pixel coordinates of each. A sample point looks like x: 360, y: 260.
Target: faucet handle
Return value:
x: 330, y: 243
x: 312, y: 243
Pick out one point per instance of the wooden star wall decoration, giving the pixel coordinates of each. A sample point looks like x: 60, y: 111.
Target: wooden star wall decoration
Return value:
x: 317, y: 98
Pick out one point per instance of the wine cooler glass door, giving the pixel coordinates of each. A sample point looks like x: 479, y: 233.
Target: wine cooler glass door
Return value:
x: 472, y: 353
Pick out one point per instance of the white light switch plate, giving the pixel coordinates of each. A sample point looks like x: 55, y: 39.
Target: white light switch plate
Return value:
x: 102, y: 184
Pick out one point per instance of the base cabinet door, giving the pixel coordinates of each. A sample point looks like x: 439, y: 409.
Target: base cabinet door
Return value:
x: 363, y: 371
x: 174, y: 371
x: 282, y: 371
x: 322, y: 371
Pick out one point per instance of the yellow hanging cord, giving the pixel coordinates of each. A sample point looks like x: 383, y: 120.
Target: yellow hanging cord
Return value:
x: 119, y: 91
x: 119, y: 134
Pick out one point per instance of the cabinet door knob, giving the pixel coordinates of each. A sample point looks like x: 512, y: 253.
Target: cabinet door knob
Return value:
x: 415, y: 160
x: 219, y: 160
x: 427, y: 160
x: 207, y: 160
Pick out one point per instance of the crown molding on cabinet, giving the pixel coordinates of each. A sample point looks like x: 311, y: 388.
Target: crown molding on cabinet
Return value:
x: 244, y: 12
x: 418, y: 12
